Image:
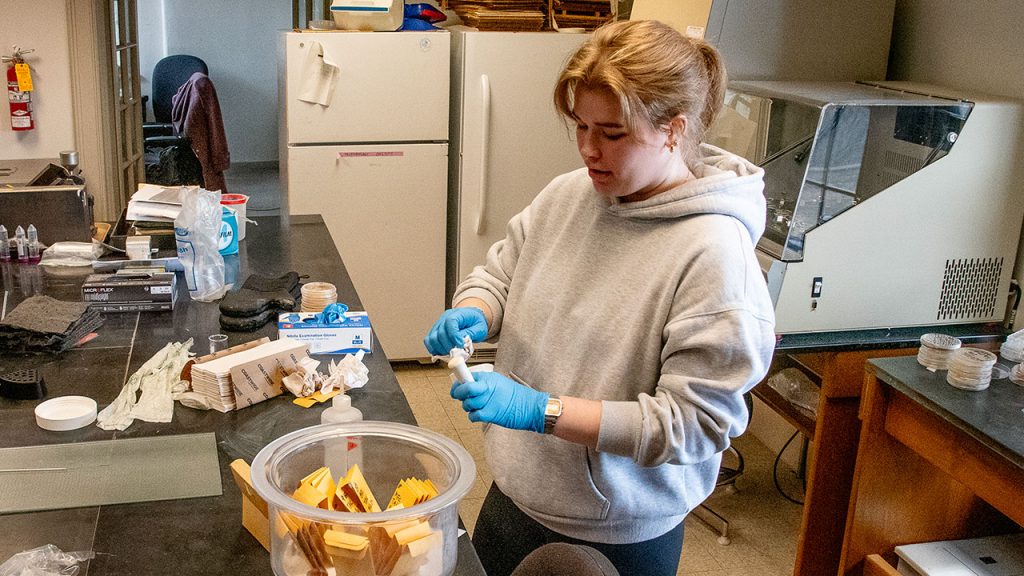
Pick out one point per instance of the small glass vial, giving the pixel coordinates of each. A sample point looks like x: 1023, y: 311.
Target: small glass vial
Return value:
x: 22, y: 244
x: 33, y: 244
x: 5, y: 244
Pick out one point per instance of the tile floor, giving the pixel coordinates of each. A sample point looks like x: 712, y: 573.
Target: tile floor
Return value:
x: 763, y: 525
x: 258, y: 181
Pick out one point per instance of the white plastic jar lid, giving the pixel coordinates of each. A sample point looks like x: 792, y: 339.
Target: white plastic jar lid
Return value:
x: 66, y: 413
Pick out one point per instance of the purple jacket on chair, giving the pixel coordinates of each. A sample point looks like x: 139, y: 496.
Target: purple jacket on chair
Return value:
x: 195, y: 114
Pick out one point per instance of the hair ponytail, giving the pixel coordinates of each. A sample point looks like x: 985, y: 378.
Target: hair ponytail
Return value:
x: 717, y: 78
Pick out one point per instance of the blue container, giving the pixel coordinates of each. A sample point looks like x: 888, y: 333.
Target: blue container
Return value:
x: 227, y: 240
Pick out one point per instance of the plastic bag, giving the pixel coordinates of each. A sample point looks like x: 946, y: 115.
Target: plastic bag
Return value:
x: 196, y: 231
x: 44, y: 561
x: 793, y: 385
x: 73, y: 253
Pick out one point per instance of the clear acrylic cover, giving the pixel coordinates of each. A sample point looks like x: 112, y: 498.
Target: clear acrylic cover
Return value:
x: 826, y: 151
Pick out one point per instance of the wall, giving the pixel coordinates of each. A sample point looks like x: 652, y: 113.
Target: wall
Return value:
x: 962, y: 45
x: 152, y: 44
x: 959, y: 44
x: 239, y: 44
x: 47, y: 32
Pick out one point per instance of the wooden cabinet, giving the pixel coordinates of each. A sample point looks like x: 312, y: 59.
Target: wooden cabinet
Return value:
x: 933, y: 463
x: 834, y: 432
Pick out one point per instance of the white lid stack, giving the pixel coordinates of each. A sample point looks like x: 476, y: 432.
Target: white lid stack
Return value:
x: 1013, y: 348
x: 937, y: 350
x: 318, y: 295
x: 971, y: 369
x: 1017, y: 374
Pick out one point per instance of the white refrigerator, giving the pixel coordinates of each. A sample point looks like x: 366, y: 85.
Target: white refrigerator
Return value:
x: 507, y: 141
x: 364, y: 143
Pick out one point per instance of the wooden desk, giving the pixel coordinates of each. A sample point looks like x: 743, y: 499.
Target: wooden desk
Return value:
x: 834, y: 433
x: 195, y: 535
x: 836, y: 361
x: 933, y: 463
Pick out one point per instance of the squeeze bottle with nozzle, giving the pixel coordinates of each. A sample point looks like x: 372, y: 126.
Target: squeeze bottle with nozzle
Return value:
x: 33, y: 243
x: 5, y: 244
x: 19, y: 239
x: 342, y: 452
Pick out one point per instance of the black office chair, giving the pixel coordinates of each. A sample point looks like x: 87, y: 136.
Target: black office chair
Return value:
x: 561, y: 559
x: 168, y: 75
x: 168, y: 156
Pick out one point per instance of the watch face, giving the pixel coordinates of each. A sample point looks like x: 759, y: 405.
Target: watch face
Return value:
x: 553, y: 408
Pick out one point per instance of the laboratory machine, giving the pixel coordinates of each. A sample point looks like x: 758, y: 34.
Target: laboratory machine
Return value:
x: 888, y: 204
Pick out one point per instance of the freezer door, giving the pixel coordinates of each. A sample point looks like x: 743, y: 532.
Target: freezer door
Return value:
x: 389, y: 87
x: 385, y: 208
x: 511, y: 140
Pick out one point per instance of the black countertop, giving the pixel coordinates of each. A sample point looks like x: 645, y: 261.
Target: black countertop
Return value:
x: 876, y: 338
x: 198, y: 535
x: 994, y: 416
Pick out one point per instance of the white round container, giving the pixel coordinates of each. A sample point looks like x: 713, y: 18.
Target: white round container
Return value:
x: 66, y: 413
x: 391, y: 452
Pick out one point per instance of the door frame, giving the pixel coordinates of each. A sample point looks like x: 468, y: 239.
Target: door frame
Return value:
x: 90, y: 43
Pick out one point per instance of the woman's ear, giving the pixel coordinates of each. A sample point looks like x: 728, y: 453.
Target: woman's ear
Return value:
x: 677, y: 130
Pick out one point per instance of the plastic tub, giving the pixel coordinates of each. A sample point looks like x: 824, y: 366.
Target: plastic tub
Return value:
x: 237, y: 202
x: 389, y: 453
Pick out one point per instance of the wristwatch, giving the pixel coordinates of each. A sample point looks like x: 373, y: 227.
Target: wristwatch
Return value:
x: 552, y: 411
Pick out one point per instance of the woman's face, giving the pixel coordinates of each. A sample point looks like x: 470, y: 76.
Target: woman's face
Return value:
x: 631, y: 166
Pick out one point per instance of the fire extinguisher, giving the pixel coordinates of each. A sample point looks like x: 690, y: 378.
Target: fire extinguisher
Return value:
x: 19, y: 90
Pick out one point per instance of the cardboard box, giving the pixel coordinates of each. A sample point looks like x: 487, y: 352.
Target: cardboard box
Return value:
x: 346, y: 337
x: 131, y: 292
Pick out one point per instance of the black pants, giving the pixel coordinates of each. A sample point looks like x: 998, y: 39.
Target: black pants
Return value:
x: 504, y: 535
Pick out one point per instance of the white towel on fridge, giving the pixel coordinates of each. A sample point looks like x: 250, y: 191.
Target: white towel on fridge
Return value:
x: 319, y: 76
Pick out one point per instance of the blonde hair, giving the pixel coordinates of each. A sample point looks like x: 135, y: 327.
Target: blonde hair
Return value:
x: 655, y: 72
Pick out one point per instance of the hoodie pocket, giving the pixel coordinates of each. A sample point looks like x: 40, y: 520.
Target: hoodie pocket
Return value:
x: 545, y: 474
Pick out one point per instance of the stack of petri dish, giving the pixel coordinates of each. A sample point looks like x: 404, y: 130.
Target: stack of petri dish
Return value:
x: 317, y: 295
x: 936, y: 351
x: 1013, y: 349
x: 1017, y: 374
x: 971, y: 369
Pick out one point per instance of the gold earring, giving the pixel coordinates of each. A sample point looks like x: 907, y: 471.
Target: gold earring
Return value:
x: 672, y: 146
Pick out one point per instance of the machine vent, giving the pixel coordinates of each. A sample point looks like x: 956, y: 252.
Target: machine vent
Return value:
x: 969, y: 289
x: 898, y: 166
x: 482, y: 355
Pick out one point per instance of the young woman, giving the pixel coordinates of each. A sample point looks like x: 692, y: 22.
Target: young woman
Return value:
x: 632, y: 312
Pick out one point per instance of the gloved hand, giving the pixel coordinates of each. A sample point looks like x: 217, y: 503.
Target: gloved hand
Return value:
x: 497, y: 399
x: 453, y: 324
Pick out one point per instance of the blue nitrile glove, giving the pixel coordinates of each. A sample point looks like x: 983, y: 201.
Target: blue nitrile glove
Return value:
x: 453, y: 324
x: 332, y: 314
x: 497, y: 399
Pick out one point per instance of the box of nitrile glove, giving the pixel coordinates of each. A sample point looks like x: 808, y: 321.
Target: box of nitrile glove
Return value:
x: 346, y: 337
x: 141, y: 291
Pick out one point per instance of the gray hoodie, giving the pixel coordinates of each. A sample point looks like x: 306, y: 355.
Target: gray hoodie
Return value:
x: 658, y: 309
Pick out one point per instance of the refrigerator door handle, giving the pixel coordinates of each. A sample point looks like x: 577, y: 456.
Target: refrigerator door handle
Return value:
x: 485, y: 144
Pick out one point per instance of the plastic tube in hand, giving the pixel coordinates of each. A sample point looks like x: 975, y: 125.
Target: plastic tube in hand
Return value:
x: 457, y: 364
